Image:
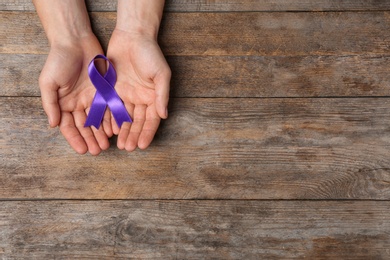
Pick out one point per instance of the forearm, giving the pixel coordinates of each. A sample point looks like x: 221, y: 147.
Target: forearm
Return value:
x: 140, y: 16
x: 63, y: 20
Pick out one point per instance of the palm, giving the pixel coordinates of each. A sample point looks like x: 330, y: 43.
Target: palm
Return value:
x: 142, y: 75
x: 74, y: 90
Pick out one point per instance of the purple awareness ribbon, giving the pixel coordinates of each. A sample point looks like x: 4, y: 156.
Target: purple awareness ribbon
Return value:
x: 105, y: 96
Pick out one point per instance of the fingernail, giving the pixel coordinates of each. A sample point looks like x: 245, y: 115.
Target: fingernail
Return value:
x: 166, y: 112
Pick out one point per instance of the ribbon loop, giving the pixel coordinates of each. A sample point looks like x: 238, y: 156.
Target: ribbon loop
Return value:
x: 105, y: 96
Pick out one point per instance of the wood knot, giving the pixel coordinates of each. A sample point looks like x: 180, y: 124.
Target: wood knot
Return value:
x: 129, y: 230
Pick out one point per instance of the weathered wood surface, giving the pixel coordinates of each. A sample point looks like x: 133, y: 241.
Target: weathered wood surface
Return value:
x: 228, y: 5
x: 281, y: 163
x: 226, y: 76
x: 210, y: 149
x: 195, y: 229
x: 248, y: 33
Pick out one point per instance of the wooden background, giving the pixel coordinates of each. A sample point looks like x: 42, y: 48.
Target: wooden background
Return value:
x: 277, y: 144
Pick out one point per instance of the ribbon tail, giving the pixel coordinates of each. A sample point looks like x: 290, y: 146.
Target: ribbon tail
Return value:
x: 96, y: 113
x: 119, y: 111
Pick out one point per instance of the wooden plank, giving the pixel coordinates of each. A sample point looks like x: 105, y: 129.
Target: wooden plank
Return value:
x: 19, y: 74
x: 225, y: 76
x: 195, y: 229
x: 277, y: 76
x: 232, y: 34
x: 228, y: 5
x: 333, y: 148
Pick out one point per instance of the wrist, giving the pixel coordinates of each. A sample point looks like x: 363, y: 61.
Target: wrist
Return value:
x: 140, y: 17
x: 68, y: 35
x: 64, y: 21
x: 70, y: 39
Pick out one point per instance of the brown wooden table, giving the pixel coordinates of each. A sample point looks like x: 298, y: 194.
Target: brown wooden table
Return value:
x: 277, y: 144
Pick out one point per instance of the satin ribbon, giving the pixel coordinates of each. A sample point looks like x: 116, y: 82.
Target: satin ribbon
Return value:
x: 105, y: 96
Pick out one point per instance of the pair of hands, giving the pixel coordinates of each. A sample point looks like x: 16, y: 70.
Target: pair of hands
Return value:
x: 143, y: 78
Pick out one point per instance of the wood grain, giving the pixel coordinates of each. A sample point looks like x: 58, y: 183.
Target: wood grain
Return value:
x: 225, y: 76
x: 298, y: 176
x: 210, y: 149
x: 195, y: 229
x: 228, y: 5
x: 248, y: 34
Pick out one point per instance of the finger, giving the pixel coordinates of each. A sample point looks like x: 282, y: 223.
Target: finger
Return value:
x: 50, y: 100
x: 107, y: 126
x: 162, y: 82
x: 115, y: 127
x: 150, y: 128
x: 100, y: 136
x: 125, y: 128
x: 136, y: 127
x: 123, y: 134
x: 72, y: 134
x: 86, y: 132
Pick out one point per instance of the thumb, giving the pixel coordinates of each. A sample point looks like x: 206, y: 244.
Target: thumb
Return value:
x: 50, y: 100
x: 162, y: 82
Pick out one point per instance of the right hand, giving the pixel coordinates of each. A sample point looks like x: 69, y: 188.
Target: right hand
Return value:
x: 67, y: 94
